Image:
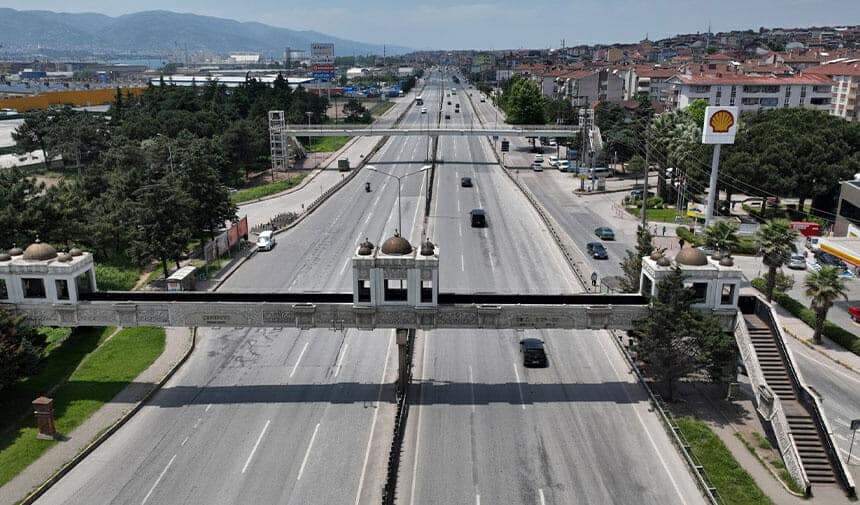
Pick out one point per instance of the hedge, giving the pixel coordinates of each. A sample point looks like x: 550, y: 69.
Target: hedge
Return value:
x: 746, y: 245
x: 834, y: 332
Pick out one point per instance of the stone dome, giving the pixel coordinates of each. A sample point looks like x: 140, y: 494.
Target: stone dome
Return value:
x: 16, y: 251
x: 663, y: 261
x: 396, y: 245
x: 365, y: 248
x: 427, y: 248
x: 691, y: 256
x: 76, y: 252
x: 5, y: 257
x: 64, y: 257
x: 39, y: 251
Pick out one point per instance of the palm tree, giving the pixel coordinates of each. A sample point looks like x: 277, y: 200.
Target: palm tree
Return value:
x: 721, y: 236
x: 776, y: 243
x: 824, y: 287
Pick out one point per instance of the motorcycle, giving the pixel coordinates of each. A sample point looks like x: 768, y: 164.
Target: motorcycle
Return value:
x: 367, y: 187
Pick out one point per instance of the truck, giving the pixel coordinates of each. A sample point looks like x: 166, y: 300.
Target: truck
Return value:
x: 343, y: 165
x: 419, y: 100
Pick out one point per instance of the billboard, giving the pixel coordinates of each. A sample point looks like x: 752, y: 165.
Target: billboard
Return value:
x: 721, y: 124
x: 322, y: 57
x: 696, y: 210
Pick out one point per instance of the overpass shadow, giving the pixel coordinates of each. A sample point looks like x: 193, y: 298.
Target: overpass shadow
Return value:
x: 427, y: 393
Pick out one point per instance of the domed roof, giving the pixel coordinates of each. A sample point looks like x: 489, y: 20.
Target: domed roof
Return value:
x: 365, y: 248
x: 64, y: 257
x: 692, y: 257
x: 76, y: 252
x: 396, y: 245
x: 39, y: 251
x: 16, y: 251
x: 427, y: 248
x: 5, y: 257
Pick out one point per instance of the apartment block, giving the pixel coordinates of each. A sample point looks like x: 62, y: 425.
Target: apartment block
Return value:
x: 753, y: 93
x: 845, y: 90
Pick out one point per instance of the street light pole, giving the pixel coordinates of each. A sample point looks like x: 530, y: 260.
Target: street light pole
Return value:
x: 398, y: 177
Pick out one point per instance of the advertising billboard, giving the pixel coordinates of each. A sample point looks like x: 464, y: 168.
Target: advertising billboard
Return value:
x: 322, y: 57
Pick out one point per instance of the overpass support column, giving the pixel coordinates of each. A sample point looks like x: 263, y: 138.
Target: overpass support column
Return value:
x: 405, y: 339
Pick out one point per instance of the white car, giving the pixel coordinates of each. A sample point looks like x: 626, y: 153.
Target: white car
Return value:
x: 553, y: 161
x: 538, y: 159
x: 797, y: 261
x: 266, y: 241
x: 423, y: 110
x: 537, y: 167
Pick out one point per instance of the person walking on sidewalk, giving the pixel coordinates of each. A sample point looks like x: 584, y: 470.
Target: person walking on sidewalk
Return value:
x: 664, y: 230
x: 594, y: 279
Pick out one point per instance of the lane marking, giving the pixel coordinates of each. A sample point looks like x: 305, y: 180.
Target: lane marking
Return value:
x: 160, y: 476
x: 256, y: 444
x: 345, y: 264
x: 183, y: 442
x: 305, y: 348
x: 197, y: 423
x: 520, y: 387
x: 477, y: 499
x: 308, y: 452
x: 340, y: 359
x: 460, y: 228
x: 208, y: 407
x: 372, y: 425
x: 642, y: 422
x: 542, y: 499
x: 418, y: 414
x: 462, y: 263
x: 472, y: 387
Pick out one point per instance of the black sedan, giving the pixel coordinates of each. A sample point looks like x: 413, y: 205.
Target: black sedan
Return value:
x: 597, y: 251
x: 466, y: 182
x: 533, y: 352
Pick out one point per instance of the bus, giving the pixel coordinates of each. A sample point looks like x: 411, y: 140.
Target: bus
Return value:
x: 419, y: 100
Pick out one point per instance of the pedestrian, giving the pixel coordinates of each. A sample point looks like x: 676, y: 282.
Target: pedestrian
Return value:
x: 594, y: 279
x: 681, y: 243
x: 664, y: 230
x: 655, y: 229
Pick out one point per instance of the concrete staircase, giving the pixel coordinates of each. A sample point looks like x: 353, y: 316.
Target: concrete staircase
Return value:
x: 807, y: 438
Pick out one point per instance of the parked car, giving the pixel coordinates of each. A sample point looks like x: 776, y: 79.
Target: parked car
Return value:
x: 423, y: 110
x: 466, y: 182
x: 538, y: 159
x: 537, y: 167
x: 447, y: 116
x: 449, y: 102
x: 553, y: 161
x: 636, y: 194
x: 605, y: 233
x: 854, y: 312
x: 533, y: 352
x: 797, y: 261
x: 597, y: 251
x: 266, y: 241
x: 482, y: 100
x: 813, y: 243
x: 828, y: 259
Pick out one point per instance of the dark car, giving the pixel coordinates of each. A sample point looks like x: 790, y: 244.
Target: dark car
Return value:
x: 830, y: 260
x: 447, y: 116
x: 479, y: 218
x: 533, y: 352
x: 466, y: 182
x: 605, y: 233
x: 597, y: 251
x: 449, y: 102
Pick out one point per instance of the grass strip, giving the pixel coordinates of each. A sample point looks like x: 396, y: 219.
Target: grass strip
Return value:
x: 102, y: 374
x: 734, y: 485
x: 116, y: 278
x: 327, y: 144
x: 256, y: 192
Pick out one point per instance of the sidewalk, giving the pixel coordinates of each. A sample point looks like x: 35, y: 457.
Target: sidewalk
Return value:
x: 53, y: 463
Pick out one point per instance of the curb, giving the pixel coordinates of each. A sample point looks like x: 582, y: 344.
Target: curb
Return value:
x: 59, y: 474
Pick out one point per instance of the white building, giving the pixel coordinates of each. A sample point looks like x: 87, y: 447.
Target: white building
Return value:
x: 752, y: 93
x: 845, y: 90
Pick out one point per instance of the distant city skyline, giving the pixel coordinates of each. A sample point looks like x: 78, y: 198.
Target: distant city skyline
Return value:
x: 499, y: 25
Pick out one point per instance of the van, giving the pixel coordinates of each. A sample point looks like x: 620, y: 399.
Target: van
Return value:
x: 598, y: 172
x: 538, y: 159
x: 266, y: 240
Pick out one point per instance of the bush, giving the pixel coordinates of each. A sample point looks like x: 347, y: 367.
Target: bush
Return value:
x: 113, y: 278
x: 746, y: 245
x: 655, y: 202
x: 835, y: 333
x: 684, y: 233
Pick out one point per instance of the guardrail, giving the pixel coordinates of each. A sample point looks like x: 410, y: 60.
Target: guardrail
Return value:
x: 389, y: 492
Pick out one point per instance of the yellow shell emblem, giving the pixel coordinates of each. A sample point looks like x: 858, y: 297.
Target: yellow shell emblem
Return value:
x: 721, y: 121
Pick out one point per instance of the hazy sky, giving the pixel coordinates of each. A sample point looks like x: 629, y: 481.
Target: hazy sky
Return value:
x: 447, y: 24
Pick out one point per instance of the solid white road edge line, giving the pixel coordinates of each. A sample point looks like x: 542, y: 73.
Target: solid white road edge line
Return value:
x: 305, y: 348
x: 160, y: 476
x: 256, y: 444
x: 418, y: 423
x: 308, y: 452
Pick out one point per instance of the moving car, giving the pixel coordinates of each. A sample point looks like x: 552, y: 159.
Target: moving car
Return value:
x: 538, y: 159
x: 447, y: 116
x: 597, y: 251
x: 537, y: 167
x: 533, y: 352
x: 605, y: 233
x: 466, y: 182
x: 482, y: 100
x: 553, y: 161
x: 797, y: 261
x: 266, y: 241
x: 479, y: 218
x: 449, y: 102
x: 423, y: 110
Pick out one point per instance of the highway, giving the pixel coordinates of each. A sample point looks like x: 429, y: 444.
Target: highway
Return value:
x: 295, y: 417
x: 484, y: 429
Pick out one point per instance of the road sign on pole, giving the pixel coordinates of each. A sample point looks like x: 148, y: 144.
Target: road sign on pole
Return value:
x: 506, y: 146
x: 720, y: 126
x: 855, y: 425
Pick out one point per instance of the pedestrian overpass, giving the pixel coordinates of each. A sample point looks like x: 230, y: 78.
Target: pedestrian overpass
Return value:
x: 474, y: 131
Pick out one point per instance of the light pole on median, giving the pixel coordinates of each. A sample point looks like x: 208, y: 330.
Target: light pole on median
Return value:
x: 398, y: 177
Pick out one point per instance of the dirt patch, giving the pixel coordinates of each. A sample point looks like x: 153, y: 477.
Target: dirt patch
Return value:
x: 262, y: 177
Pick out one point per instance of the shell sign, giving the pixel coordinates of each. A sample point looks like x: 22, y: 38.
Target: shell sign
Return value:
x: 721, y: 124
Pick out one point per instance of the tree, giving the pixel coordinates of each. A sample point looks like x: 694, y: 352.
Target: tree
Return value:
x: 21, y: 207
x: 823, y: 287
x: 721, y: 236
x: 776, y: 243
x: 20, y: 347
x: 632, y: 263
x: 355, y: 112
x: 696, y: 110
x: 525, y: 104
x: 33, y: 134
x: 636, y: 166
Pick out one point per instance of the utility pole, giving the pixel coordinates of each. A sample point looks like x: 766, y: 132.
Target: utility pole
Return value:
x: 645, y: 186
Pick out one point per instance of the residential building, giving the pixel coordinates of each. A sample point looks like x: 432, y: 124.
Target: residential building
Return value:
x: 845, y: 91
x: 587, y: 87
x: 653, y: 81
x: 752, y: 93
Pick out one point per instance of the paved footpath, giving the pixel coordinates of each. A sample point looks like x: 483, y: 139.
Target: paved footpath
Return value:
x: 178, y: 345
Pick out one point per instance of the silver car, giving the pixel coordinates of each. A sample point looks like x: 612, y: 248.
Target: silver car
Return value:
x: 797, y: 261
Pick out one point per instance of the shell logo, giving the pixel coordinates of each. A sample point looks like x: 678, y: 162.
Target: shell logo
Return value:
x: 722, y: 121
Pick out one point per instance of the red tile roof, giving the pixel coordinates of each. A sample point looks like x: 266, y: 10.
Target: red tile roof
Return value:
x: 753, y: 80
x: 841, y: 68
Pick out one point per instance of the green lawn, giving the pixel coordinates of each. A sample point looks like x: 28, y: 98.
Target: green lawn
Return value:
x: 8, y: 150
x: 116, y: 278
x: 103, y: 372
x: 327, y: 144
x: 249, y: 194
x: 661, y: 215
x: 734, y: 485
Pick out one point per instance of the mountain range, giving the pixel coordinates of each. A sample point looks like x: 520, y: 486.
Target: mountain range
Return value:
x: 157, y: 32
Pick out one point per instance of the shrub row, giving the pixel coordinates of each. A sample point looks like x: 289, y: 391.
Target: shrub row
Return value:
x: 746, y: 245
x: 834, y: 332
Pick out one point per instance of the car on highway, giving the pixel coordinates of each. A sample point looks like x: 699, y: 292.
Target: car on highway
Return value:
x: 447, y: 116
x: 605, y: 233
x: 466, y: 182
x: 423, y: 110
x: 597, y: 251
x: 797, y: 261
x: 266, y: 240
x: 553, y: 161
x: 478, y: 218
x: 533, y: 352
x: 449, y: 102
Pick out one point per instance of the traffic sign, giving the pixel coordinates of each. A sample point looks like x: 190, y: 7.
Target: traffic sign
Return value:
x: 495, y: 138
x: 506, y: 146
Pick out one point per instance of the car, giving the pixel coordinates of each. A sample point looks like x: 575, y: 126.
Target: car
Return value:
x: 449, y: 102
x: 553, y: 161
x: 447, y: 116
x: 605, y: 233
x: 478, y: 218
x: 813, y: 243
x: 533, y: 353
x: 553, y: 142
x: 423, y: 110
x: 466, y: 182
x: 797, y: 261
x: 266, y: 240
x: 854, y: 312
x: 537, y: 167
x: 597, y: 251
x: 827, y: 259
x: 482, y: 100
x: 636, y: 194
x: 457, y: 110
x: 538, y: 159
